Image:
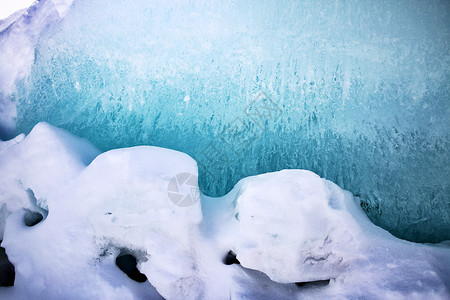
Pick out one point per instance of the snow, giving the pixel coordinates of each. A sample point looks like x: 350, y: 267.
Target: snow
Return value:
x: 43, y: 161
x: 290, y: 242
x: 285, y: 227
x: 9, y: 7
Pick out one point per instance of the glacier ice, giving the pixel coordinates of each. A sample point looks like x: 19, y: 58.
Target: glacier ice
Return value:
x: 285, y: 227
x: 356, y: 92
x: 19, y: 34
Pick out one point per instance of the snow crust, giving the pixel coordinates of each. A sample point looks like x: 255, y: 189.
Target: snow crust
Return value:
x: 285, y: 227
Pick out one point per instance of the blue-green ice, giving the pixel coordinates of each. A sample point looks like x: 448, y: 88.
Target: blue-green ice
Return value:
x: 356, y: 91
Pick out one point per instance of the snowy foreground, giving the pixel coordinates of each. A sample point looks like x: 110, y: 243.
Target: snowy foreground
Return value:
x: 285, y: 227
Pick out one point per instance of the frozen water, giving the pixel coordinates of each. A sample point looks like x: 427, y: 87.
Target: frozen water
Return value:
x: 285, y: 227
x: 357, y: 92
x: 19, y: 34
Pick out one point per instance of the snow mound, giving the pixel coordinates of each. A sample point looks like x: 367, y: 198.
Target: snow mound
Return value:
x: 129, y: 207
x: 297, y: 227
x: 294, y: 234
x: 281, y: 233
x: 38, y: 165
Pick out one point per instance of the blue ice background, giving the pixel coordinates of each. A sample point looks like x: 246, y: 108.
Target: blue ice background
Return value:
x: 359, y: 91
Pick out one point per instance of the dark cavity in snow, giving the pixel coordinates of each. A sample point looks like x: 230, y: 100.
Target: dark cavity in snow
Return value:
x: 127, y: 263
x: 317, y: 283
x: 7, y: 271
x: 230, y: 258
x: 32, y: 218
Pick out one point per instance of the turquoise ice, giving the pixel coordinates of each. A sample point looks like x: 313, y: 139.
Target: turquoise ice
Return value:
x: 357, y: 92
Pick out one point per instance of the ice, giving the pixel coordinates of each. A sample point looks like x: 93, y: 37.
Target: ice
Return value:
x: 19, y: 34
x: 356, y: 92
x: 295, y: 235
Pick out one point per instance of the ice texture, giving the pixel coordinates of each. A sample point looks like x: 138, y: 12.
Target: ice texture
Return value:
x: 295, y: 234
x: 357, y: 92
x: 19, y: 34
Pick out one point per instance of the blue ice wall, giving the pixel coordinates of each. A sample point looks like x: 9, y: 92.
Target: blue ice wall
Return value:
x: 356, y: 91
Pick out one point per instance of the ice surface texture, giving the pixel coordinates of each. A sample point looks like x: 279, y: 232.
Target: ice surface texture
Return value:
x: 19, y: 34
x: 358, y: 92
x: 285, y: 227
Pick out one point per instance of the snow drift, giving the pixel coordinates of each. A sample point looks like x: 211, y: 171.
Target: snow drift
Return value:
x: 293, y: 233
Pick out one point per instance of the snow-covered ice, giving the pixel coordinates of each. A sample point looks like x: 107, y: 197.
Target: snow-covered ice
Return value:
x: 285, y: 227
x: 360, y: 94
x: 360, y: 90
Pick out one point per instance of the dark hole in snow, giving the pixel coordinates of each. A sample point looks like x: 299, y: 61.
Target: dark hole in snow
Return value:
x: 230, y: 259
x: 127, y: 263
x: 32, y: 218
x: 7, y: 271
x: 317, y: 283
x: 37, y: 213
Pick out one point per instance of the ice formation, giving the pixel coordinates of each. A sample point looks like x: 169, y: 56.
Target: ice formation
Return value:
x: 294, y: 234
x: 355, y: 91
x: 19, y: 34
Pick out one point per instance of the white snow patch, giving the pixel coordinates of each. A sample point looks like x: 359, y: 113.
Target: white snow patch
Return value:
x: 9, y: 7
